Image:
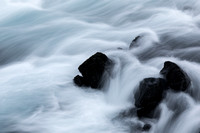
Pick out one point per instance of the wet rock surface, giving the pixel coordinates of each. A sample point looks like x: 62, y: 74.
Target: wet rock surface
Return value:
x: 176, y: 78
x: 92, y: 71
x: 149, y: 94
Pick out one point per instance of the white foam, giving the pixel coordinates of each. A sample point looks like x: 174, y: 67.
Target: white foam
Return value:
x: 42, y: 43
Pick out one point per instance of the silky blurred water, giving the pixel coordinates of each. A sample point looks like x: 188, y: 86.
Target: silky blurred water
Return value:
x: 42, y: 43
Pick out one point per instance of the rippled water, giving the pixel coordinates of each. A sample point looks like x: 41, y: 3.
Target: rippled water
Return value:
x: 42, y: 43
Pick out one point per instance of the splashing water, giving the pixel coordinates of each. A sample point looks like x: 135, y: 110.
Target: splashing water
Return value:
x: 42, y: 43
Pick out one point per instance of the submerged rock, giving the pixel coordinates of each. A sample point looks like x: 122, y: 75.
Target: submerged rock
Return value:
x: 128, y: 113
x: 146, y: 127
x: 176, y: 78
x: 92, y: 71
x: 134, y: 42
x: 149, y: 95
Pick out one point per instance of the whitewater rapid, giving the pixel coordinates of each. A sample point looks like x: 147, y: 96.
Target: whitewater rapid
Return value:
x: 42, y: 43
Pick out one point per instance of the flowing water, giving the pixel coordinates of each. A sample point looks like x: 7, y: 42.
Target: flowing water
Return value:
x: 42, y: 43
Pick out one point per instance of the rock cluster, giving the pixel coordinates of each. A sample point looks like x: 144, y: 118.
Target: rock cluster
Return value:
x: 150, y: 92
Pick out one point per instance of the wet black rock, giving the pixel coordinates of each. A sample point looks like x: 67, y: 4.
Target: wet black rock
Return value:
x: 176, y: 78
x: 92, y: 71
x: 149, y: 94
x: 80, y: 81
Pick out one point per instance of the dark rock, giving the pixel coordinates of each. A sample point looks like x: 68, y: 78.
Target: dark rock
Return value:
x: 92, y: 71
x: 149, y: 95
x: 146, y: 127
x: 133, y: 43
x: 79, y: 80
x: 176, y: 78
